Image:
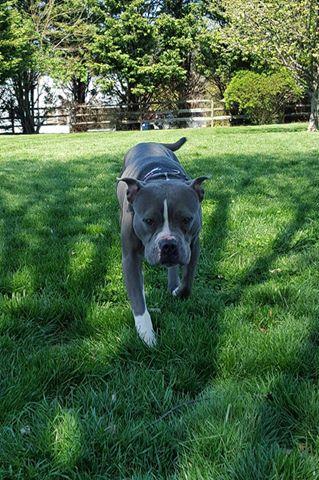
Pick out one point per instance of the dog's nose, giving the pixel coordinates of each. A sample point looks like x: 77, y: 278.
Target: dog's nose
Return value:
x: 169, y: 252
x: 169, y: 249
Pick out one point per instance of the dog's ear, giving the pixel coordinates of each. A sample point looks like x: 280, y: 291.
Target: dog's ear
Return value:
x: 133, y: 187
x: 196, y: 184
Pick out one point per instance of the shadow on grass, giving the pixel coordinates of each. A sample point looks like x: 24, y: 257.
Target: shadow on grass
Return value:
x: 280, y: 441
x: 57, y: 249
x: 132, y: 403
x: 260, y: 271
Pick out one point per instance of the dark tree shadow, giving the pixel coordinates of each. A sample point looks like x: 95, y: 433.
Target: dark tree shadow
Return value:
x: 278, y: 425
x: 41, y: 234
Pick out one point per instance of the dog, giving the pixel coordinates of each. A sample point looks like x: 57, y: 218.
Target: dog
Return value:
x: 160, y: 221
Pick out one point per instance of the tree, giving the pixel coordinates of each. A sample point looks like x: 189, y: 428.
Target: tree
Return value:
x: 67, y: 35
x: 179, y: 29
x: 285, y: 32
x: 216, y: 60
x: 127, y: 54
x: 21, y: 62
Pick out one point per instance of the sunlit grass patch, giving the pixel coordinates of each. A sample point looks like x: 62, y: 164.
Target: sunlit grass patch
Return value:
x: 67, y: 438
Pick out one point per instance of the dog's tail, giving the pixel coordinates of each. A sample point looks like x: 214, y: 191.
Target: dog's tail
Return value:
x: 176, y: 145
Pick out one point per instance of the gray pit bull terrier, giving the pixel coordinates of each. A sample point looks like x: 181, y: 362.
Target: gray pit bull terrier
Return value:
x: 160, y: 220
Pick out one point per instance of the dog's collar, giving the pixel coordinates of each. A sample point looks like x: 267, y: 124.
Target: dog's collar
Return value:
x: 158, y: 172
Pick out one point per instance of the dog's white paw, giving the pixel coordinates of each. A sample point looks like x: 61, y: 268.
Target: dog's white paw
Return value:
x: 181, y: 292
x: 175, y: 292
x: 148, y: 337
x: 144, y: 328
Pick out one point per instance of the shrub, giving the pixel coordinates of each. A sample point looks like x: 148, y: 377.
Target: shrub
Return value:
x: 262, y: 97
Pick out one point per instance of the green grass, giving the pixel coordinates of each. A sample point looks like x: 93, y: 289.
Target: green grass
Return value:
x: 231, y: 390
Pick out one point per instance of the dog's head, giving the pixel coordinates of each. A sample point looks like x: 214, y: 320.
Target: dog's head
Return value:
x: 167, y: 216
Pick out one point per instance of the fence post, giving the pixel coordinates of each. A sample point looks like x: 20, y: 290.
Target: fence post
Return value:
x: 11, y: 115
x: 212, y: 113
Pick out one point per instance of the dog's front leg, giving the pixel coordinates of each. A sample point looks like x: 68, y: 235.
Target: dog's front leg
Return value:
x: 132, y: 268
x: 185, y: 287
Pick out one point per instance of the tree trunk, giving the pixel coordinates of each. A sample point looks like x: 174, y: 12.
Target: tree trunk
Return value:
x: 24, y: 86
x: 184, y: 91
x: 314, y: 104
x: 79, y: 90
x: 12, y: 114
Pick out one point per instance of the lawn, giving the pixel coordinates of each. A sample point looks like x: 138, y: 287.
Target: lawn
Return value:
x: 231, y: 390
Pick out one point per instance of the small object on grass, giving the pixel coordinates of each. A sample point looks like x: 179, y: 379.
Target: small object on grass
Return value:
x: 25, y: 430
x: 275, y: 270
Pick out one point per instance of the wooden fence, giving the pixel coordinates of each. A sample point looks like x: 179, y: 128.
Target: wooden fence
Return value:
x: 9, y: 122
x: 199, y: 113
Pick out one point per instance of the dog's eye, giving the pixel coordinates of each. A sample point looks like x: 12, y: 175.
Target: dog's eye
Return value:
x: 187, y: 220
x: 148, y: 221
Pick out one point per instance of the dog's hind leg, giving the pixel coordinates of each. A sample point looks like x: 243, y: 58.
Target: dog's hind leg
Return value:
x: 173, y: 278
